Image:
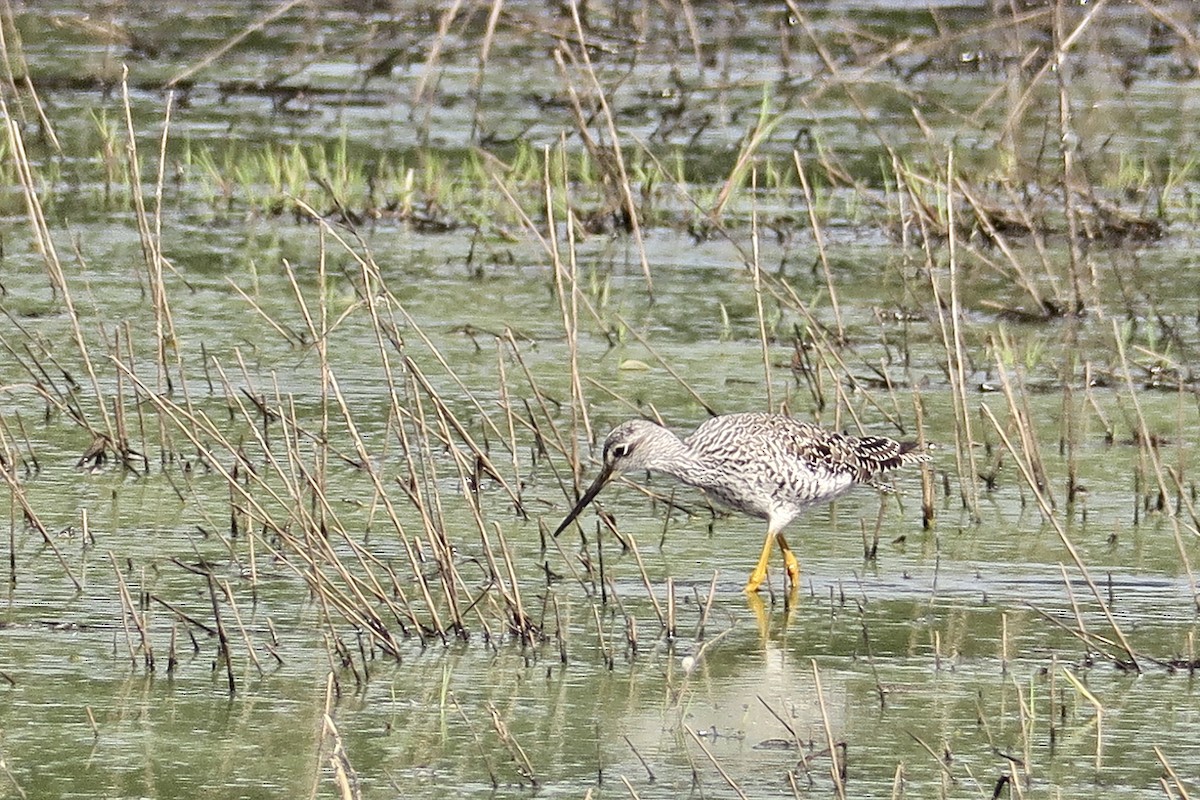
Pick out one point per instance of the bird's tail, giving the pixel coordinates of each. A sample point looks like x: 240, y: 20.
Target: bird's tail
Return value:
x: 911, y: 453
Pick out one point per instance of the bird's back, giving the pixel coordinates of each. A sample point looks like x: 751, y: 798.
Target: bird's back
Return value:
x: 774, y: 466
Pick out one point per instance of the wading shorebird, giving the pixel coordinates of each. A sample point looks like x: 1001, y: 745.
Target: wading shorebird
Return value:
x: 766, y: 465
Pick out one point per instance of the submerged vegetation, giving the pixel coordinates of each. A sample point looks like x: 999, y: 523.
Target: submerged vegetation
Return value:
x: 310, y: 329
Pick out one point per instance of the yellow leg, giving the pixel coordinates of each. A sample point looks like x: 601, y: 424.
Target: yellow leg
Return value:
x: 789, y: 560
x: 760, y: 570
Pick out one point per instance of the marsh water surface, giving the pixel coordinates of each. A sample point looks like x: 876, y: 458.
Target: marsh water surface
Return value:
x: 287, y: 417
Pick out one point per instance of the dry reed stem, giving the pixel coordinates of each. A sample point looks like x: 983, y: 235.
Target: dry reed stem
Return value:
x: 381, y: 493
x: 419, y: 96
x: 756, y: 279
x: 819, y: 240
x: 758, y: 135
x: 1176, y: 782
x: 388, y: 335
x: 1049, y: 515
x: 8, y: 27
x: 128, y: 612
x: 44, y: 243
x: 837, y: 769
x: 184, y: 616
x: 485, y: 48
x: 483, y: 754
x: 615, y: 140
x: 354, y: 607
x: 18, y: 500
x: 1097, y: 706
x: 679, y: 379
x: 786, y: 725
x: 540, y: 397
x: 833, y: 362
x: 12, y: 779
x: 237, y: 618
x: 333, y: 748
x: 150, y: 232
x: 569, y: 311
x: 952, y: 342
x: 232, y: 42
x: 716, y: 764
x: 520, y: 759
x: 1062, y: 45
x: 1023, y: 280
x: 1067, y: 145
x: 1022, y: 420
x: 460, y: 430
x: 509, y: 416
x: 1147, y: 446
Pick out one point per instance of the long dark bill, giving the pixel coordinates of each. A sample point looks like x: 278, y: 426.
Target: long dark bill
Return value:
x: 601, y: 480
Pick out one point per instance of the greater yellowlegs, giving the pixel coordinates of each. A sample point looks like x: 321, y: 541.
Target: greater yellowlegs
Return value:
x: 767, y: 465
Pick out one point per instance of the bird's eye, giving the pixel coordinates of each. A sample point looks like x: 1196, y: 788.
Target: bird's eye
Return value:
x: 620, y: 450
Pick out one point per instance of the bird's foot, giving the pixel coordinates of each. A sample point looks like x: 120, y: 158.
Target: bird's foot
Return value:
x: 793, y: 569
x: 756, y: 579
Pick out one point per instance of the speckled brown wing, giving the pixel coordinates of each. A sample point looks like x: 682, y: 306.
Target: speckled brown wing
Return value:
x: 862, y: 459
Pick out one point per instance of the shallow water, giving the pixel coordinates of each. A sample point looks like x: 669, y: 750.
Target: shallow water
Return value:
x: 945, y: 663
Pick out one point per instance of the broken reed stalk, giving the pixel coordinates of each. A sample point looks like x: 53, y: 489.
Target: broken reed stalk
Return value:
x: 43, y: 241
x: 1096, y: 705
x: 1049, y: 515
x: 129, y: 613
x: 956, y: 362
x: 716, y: 764
x: 150, y: 233
x: 333, y: 748
x: 520, y: 759
x: 306, y: 556
x: 756, y: 276
x: 819, y: 240
x: 1146, y: 445
x: 566, y: 290
x: 837, y: 769
x: 224, y: 653
x: 1022, y: 420
x: 19, y: 500
x: 622, y: 177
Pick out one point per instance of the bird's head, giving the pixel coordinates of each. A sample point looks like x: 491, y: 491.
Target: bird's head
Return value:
x: 627, y: 447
